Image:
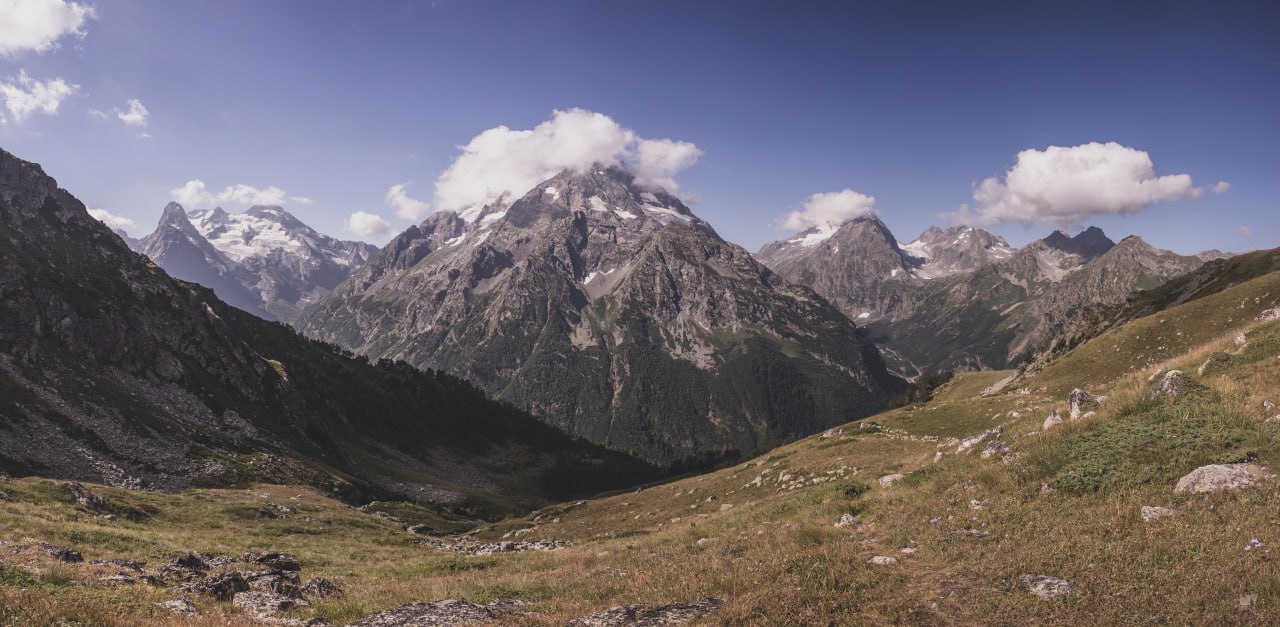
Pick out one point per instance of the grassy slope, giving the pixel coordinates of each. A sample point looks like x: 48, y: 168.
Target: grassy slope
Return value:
x: 775, y: 557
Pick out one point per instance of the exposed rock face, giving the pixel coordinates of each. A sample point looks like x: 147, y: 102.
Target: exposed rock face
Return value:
x: 264, y: 260
x: 858, y: 266
x: 1005, y: 312
x: 1053, y: 420
x: 1046, y: 588
x: 447, y: 612
x: 963, y: 298
x: 1170, y: 384
x: 615, y: 313
x: 1210, y: 278
x: 1080, y: 401
x: 956, y: 250
x: 883, y: 560
x: 648, y: 616
x: 111, y: 371
x: 1218, y: 477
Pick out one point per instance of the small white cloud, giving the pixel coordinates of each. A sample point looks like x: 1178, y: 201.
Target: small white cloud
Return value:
x: 1245, y: 232
x: 367, y: 225
x: 24, y: 95
x: 97, y: 115
x: 113, y: 221
x: 135, y: 115
x: 192, y: 195
x: 249, y: 195
x: 37, y: 25
x: 502, y: 161
x: 828, y: 209
x: 1221, y: 187
x: 406, y: 206
x: 1066, y: 186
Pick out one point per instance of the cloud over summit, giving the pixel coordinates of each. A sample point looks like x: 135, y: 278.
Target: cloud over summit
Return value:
x: 828, y: 209
x: 502, y: 161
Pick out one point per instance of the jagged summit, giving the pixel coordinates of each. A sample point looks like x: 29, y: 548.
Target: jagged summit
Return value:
x: 611, y: 310
x: 1089, y: 243
x: 277, y: 263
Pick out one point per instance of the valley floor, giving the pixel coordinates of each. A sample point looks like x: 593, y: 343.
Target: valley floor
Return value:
x: 987, y: 496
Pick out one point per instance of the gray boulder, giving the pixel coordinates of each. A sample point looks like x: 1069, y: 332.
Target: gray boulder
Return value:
x: 1171, y: 384
x: 1150, y: 513
x: 1218, y: 477
x: 1081, y: 401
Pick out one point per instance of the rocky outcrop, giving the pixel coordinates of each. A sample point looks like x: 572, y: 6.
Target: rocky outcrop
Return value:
x: 1218, y: 477
x: 1080, y: 402
x: 1170, y: 383
x: 648, y: 616
x: 612, y: 311
x: 447, y: 612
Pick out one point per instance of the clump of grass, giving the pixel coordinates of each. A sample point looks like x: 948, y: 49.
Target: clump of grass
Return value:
x: 855, y: 489
x: 1151, y: 441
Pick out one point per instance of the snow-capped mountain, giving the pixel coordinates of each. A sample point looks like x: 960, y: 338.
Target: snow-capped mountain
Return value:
x: 943, y: 252
x: 612, y: 311
x: 281, y: 262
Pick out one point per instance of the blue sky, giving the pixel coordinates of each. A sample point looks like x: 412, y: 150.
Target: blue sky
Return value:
x: 912, y: 103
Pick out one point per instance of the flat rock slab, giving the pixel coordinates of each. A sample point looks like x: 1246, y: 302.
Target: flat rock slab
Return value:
x: 1046, y: 588
x: 437, y: 613
x: 648, y: 616
x: 1218, y: 477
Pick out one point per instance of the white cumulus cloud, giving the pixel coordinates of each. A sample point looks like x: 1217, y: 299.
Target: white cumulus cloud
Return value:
x: 1244, y: 232
x: 406, y: 206
x: 24, y: 95
x: 112, y: 220
x: 135, y: 115
x: 828, y: 209
x: 301, y: 200
x: 192, y: 195
x: 242, y: 194
x: 1066, y: 186
x: 38, y: 24
x: 1221, y: 187
x: 502, y: 161
x: 367, y: 225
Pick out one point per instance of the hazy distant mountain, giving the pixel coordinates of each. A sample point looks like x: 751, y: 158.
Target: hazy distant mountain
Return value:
x: 280, y: 264
x: 612, y: 311
x: 962, y: 297
x: 184, y: 252
x: 112, y: 371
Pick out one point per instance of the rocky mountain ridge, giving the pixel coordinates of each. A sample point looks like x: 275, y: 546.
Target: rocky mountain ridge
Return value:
x: 112, y: 371
x: 962, y: 297
x: 614, y: 312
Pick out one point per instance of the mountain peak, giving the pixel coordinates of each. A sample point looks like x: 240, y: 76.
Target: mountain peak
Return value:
x: 174, y: 214
x: 1089, y: 243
